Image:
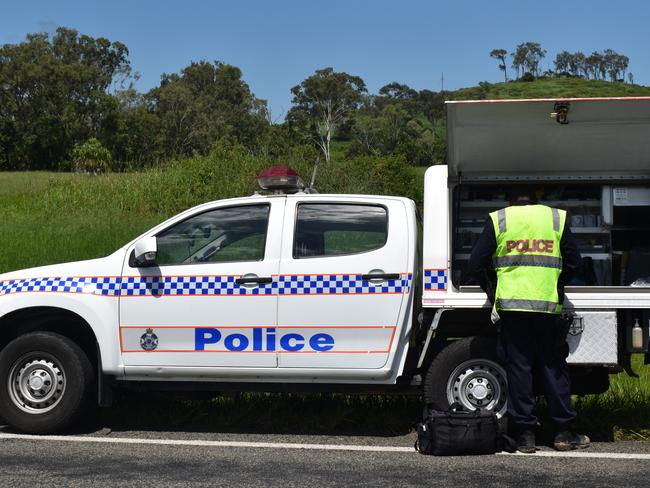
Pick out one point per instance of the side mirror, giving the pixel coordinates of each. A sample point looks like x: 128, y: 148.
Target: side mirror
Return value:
x: 144, y: 252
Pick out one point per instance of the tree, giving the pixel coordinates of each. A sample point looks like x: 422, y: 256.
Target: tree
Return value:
x: 615, y: 64
x: 400, y: 121
x: 91, y: 157
x: 594, y: 65
x: 577, y: 63
x: 501, y: 54
x: 562, y: 62
x: 623, y: 62
x: 326, y: 99
x: 519, y: 59
x: 136, y: 139
x: 398, y: 91
x: 206, y: 102
x: 534, y: 56
x: 527, y: 57
x: 54, y: 94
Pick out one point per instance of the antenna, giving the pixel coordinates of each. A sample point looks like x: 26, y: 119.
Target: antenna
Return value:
x: 313, y: 173
x: 442, y: 81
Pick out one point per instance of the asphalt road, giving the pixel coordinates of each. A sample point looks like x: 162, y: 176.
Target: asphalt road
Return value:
x: 146, y: 458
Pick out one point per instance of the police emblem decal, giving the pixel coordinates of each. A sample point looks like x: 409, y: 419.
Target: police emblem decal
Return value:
x: 149, y: 340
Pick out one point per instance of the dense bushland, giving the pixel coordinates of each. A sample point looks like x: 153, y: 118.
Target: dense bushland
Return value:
x: 68, y: 103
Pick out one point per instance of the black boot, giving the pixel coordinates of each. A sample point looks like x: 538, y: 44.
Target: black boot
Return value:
x: 526, y: 442
x: 568, y: 440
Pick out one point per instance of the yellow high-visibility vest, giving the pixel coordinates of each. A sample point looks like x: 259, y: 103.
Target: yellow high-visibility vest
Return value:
x: 528, y: 261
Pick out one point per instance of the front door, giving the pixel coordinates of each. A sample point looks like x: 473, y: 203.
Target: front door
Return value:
x: 211, y: 298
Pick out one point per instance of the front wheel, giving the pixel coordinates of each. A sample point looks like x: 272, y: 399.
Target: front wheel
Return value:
x: 467, y: 371
x: 46, y: 382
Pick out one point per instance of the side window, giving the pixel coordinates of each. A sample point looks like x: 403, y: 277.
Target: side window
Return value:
x: 326, y: 229
x: 222, y: 235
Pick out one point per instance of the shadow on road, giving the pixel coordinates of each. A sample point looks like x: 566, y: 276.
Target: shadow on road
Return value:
x: 313, y: 414
x: 272, y: 413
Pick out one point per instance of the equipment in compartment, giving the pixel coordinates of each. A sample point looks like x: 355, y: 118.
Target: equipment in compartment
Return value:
x: 610, y: 224
x: 584, y: 204
x: 630, y: 233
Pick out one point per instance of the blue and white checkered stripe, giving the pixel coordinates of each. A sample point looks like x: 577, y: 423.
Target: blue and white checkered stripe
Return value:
x: 340, y: 284
x: 107, y: 286
x: 192, y: 285
x: 207, y: 285
x: 435, y: 279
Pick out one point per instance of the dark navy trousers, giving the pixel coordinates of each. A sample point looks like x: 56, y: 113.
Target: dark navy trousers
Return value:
x: 533, y: 344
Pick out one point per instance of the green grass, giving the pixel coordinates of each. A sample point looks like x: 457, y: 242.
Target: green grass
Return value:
x: 44, y: 221
x: 623, y: 412
x: 552, y: 88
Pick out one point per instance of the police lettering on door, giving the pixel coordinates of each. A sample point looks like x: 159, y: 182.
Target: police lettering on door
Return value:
x: 263, y: 339
x: 257, y: 339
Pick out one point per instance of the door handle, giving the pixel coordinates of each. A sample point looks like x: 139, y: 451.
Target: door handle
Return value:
x: 380, y: 276
x: 246, y: 280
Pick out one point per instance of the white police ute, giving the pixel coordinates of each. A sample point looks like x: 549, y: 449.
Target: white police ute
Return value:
x: 289, y: 287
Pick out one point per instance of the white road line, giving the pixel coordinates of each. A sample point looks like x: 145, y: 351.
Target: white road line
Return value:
x: 285, y: 445
x: 201, y: 443
x: 581, y: 454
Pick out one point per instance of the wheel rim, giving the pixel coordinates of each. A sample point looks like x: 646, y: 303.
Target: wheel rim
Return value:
x: 479, y: 383
x: 36, y: 383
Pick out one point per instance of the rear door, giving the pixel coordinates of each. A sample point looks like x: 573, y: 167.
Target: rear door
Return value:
x: 343, y: 280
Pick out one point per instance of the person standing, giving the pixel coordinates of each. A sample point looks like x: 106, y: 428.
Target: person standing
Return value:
x: 522, y: 259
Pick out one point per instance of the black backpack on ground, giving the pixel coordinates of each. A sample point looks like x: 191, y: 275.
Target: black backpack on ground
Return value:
x: 459, y: 432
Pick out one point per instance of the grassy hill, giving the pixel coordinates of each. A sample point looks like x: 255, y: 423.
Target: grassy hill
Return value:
x: 550, y: 88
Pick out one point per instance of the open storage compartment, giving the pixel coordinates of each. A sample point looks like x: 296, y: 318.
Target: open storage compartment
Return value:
x: 590, y: 157
x: 614, y: 239
x: 583, y: 203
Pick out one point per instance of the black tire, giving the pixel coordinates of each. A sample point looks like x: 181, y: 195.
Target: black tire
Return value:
x: 55, y: 372
x: 462, y: 366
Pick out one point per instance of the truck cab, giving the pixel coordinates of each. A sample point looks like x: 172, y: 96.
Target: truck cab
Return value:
x: 291, y: 288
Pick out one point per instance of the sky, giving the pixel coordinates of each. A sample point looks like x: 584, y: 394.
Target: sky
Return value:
x: 279, y: 43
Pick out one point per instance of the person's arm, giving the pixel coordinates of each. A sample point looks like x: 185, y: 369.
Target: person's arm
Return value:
x: 480, y: 266
x: 571, y: 259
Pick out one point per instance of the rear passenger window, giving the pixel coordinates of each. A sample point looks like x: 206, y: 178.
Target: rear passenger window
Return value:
x: 325, y: 229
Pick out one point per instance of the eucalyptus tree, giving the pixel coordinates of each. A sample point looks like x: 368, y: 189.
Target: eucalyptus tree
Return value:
x: 501, y: 54
x: 527, y: 57
x: 577, y: 64
x: 562, y: 62
x: 325, y: 101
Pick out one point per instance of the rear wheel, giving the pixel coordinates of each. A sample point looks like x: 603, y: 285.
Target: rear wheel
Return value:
x: 467, y: 371
x: 46, y: 382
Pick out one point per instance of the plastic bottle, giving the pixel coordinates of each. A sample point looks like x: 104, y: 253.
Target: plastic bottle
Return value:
x: 637, y: 336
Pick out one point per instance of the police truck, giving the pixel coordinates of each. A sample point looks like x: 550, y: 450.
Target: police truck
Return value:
x: 290, y: 289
